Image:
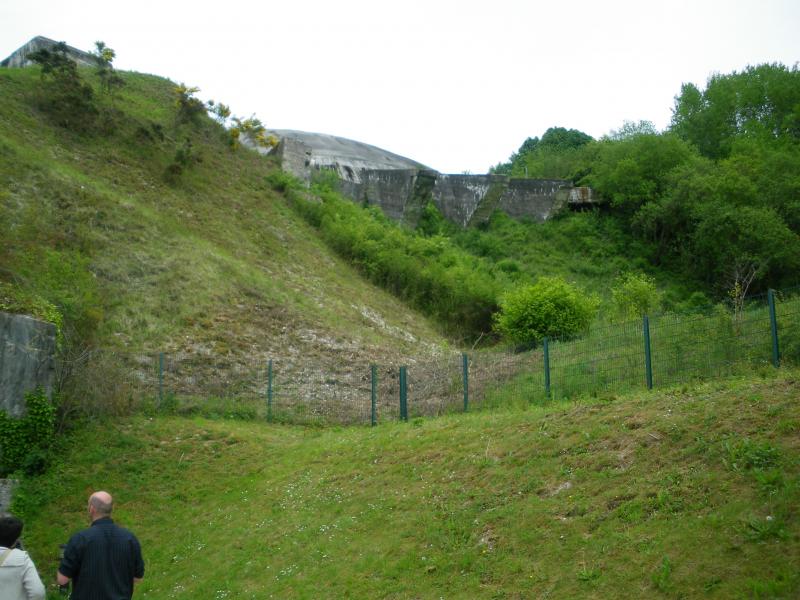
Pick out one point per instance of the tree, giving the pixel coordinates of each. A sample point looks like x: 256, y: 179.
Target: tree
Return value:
x: 67, y: 98
x: 189, y: 107
x: 743, y: 244
x: 549, y: 308
x: 560, y: 139
x: 635, y: 170
x: 551, y: 156
x: 253, y: 129
x: 632, y: 129
x: 221, y: 112
x: 110, y: 80
x: 762, y: 101
x: 55, y: 61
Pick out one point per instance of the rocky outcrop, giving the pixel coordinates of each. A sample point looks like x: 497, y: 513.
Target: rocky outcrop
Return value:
x: 27, y: 359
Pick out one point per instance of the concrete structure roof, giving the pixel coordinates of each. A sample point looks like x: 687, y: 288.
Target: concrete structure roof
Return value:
x: 330, y: 150
x: 19, y: 58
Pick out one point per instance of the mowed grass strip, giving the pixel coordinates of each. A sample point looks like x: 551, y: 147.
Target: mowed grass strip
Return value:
x: 692, y: 492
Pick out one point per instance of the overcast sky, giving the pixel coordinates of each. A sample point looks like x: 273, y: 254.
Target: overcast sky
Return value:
x: 455, y: 85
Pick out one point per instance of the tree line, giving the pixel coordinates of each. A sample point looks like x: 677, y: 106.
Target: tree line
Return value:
x: 716, y: 195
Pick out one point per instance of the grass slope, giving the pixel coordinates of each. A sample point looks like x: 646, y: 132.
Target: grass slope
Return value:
x: 692, y: 492
x: 214, y: 262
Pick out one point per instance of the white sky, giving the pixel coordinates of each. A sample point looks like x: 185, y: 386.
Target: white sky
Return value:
x: 455, y: 85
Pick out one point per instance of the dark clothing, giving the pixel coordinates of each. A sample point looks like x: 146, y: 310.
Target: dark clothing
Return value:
x: 102, y: 562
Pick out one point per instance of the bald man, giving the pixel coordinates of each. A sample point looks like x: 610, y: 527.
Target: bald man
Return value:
x: 104, y: 561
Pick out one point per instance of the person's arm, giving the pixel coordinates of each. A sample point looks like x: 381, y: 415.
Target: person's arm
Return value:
x: 31, y: 582
x: 70, y: 561
x: 138, y: 574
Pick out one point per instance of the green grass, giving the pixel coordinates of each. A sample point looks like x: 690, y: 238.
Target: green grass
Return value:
x: 689, y: 492
x: 590, y: 249
x: 610, y: 360
x: 213, y: 262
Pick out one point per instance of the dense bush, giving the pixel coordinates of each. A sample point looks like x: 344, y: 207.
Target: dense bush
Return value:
x: 556, y: 155
x: 25, y: 441
x: 549, y: 308
x: 634, y: 295
x: 459, y: 290
x: 714, y: 196
x: 65, y: 96
x: 760, y: 102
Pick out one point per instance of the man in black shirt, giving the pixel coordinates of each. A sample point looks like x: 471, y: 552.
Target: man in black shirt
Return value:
x: 103, y: 561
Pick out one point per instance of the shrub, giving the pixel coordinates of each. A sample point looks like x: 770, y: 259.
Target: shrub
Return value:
x: 24, y: 442
x: 549, y: 308
x: 190, y: 108
x: 185, y: 158
x: 67, y: 98
x: 430, y: 273
x: 282, y: 181
x: 634, y: 295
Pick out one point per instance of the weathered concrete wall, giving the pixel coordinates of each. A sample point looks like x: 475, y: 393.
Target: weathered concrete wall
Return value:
x: 20, y: 57
x: 462, y: 199
x: 27, y: 359
x: 402, y: 187
x: 458, y: 196
x: 294, y: 157
x: 389, y: 189
x: 532, y: 198
x: 581, y: 197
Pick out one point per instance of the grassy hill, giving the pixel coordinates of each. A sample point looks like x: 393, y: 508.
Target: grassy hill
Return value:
x: 150, y: 234
x: 688, y: 493
x: 212, y: 261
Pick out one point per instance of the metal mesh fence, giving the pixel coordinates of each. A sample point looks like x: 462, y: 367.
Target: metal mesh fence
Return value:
x: 659, y: 351
x: 608, y: 358
x: 505, y: 378
x: 309, y: 395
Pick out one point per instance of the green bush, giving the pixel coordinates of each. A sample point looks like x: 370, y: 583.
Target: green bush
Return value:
x: 282, y: 181
x: 431, y: 273
x: 65, y: 96
x: 549, y: 308
x: 24, y: 442
x: 634, y: 295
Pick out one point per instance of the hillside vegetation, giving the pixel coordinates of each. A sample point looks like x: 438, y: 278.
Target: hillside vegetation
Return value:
x: 139, y: 256
x: 715, y: 196
x: 140, y: 230
x: 688, y: 493
x: 131, y: 220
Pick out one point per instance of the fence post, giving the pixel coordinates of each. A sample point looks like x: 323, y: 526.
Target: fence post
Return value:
x: 160, y: 379
x: 648, y: 364
x: 465, y: 369
x: 269, y: 391
x: 403, y: 395
x: 374, y: 395
x: 773, y: 322
x: 546, y: 348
